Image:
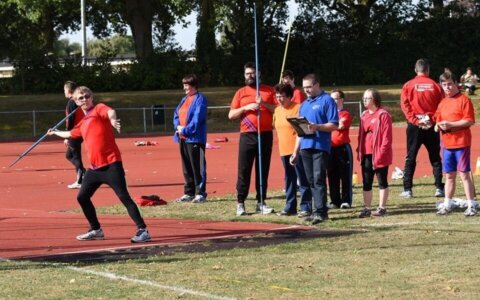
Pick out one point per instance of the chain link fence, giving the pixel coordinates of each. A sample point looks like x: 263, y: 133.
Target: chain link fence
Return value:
x: 157, y: 119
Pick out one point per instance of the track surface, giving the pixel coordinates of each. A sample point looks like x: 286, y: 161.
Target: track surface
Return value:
x: 33, y: 194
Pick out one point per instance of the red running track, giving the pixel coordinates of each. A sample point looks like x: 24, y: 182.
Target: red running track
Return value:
x: 34, y: 194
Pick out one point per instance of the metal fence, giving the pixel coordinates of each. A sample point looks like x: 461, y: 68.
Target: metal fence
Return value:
x: 157, y: 119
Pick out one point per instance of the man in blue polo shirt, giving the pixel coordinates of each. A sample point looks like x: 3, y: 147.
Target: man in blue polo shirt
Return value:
x: 321, y: 111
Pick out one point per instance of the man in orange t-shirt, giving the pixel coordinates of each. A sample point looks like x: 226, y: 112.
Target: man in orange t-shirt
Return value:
x: 246, y: 106
x: 454, y: 116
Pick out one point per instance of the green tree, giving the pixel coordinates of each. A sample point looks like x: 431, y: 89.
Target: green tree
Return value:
x: 237, y: 34
x: 149, y: 20
x: 116, y: 45
x: 206, y: 48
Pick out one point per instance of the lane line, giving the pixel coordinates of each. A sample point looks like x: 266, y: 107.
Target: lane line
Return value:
x: 180, y: 290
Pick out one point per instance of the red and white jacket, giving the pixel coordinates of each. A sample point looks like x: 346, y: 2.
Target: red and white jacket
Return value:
x: 382, y: 155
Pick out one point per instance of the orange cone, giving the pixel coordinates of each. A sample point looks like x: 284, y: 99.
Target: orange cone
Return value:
x: 477, y: 168
x: 354, y: 178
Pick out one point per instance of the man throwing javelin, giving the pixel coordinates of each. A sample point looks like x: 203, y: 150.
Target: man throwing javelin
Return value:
x: 106, y: 163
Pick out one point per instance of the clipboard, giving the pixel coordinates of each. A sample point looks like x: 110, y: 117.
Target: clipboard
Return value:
x: 300, y: 124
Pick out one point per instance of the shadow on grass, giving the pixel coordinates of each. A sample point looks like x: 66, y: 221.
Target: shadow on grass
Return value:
x: 275, y: 238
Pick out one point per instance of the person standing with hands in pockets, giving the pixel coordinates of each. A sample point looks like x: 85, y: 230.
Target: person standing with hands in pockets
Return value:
x: 190, y: 122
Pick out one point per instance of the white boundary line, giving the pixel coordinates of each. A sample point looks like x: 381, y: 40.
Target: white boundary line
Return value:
x: 114, y: 276
x: 181, y: 290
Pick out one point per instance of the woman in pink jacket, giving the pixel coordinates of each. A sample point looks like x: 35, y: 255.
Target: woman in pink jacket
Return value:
x: 374, y: 151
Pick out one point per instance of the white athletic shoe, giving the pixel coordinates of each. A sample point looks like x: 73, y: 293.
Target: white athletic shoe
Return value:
x: 199, y: 199
x: 470, y: 212
x: 241, y: 209
x: 345, y: 205
x: 263, y: 209
x: 141, y: 236
x: 91, y: 235
x: 406, y: 194
x: 74, y: 185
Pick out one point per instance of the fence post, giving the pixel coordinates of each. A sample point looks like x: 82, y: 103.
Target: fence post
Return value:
x: 34, y: 125
x: 144, y: 120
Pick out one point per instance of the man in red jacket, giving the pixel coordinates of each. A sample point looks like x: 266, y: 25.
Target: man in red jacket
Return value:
x: 419, y: 100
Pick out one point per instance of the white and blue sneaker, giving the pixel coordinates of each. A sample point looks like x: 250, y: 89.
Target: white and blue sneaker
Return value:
x: 199, y: 199
x: 92, y: 234
x: 141, y: 236
x: 470, y: 212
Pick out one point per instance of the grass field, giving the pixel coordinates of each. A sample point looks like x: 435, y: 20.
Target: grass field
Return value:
x: 410, y: 254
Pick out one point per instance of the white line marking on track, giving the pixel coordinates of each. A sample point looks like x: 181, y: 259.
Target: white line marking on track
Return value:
x: 149, y: 283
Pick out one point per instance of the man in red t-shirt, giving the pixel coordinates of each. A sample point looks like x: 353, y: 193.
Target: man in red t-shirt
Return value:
x: 419, y: 100
x: 246, y: 106
x: 106, y: 163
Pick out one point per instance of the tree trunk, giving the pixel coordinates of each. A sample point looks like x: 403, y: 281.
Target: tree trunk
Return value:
x: 139, y: 15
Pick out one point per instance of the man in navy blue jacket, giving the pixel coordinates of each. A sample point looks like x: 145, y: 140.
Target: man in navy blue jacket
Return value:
x: 190, y: 123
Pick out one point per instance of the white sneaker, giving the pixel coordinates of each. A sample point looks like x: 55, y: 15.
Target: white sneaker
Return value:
x: 406, y: 194
x: 263, y: 209
x: 199, y: 199
x: 141, y: 236
x: 470, y: 212
x: 332, y: 206
x: 74, y: 185
x: 345, y: 205
x: 439, y: 193
x: 241, y: 209
x: 91, y: 235
x: 443, y: 210
x: 185, y: 198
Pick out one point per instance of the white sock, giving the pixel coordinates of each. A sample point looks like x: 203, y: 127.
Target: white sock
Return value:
x: 470, y: 203
x: 448, y: 203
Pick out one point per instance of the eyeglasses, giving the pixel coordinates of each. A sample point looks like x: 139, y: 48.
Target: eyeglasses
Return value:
x: 86, y: 96
x: 367, y: 98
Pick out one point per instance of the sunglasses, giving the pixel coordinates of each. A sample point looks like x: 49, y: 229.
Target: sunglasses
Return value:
x: 87, y: 96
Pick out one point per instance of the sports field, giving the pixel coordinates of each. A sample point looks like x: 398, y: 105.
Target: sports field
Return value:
x: 410, y: 253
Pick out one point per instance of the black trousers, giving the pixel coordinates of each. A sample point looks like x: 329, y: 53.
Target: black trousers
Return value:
x: 114, y: 176
x: 248, y: 153
x: 339, y: 173
x: 368, y: 172
x: 417, y: 137
x: 74, y: 155
x: 194, y: 167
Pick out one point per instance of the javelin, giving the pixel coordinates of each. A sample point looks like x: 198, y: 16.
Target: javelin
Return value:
x: 286, y: 50
x: 42, y: 138
x: 257, y: 77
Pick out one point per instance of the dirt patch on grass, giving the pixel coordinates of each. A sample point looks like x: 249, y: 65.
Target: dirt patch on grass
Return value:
x: 254, y: 241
